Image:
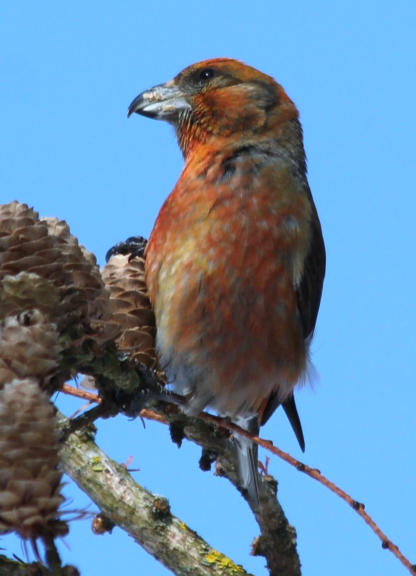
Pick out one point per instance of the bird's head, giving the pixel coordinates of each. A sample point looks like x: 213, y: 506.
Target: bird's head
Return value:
x: 218, y: 98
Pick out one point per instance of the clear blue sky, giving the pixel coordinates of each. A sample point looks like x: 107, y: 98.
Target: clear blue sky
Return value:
x: 69, y: 71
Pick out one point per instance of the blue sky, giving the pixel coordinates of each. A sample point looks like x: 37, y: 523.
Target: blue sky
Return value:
x: 69, y: 71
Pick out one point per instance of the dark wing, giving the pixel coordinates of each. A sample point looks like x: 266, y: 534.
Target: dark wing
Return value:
x: 310, y: 289
x: 309, y: 297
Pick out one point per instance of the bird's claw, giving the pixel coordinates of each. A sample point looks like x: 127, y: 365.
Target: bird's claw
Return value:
x: 134, y: 246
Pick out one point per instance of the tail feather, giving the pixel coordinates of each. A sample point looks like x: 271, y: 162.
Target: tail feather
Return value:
x: 248, y: 476
x: 246, y: 451
x: 289, y: 406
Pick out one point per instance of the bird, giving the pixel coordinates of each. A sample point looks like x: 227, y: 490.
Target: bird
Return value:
x: 235, y: 262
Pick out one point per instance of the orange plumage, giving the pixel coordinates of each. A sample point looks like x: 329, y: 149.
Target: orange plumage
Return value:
x: 236, y: 260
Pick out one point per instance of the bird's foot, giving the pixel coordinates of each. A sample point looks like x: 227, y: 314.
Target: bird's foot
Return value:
x: 133, y: 246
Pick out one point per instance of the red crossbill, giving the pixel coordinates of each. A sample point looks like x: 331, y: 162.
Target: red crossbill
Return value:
x: 236, y: 259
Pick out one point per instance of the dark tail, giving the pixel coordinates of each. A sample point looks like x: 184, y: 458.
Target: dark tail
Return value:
x: 289, y: 407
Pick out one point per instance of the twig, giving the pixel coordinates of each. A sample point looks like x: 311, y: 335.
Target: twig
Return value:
x: 144, y: 413
x: 359, y: 507
x: 72, y: 391
x: 386, y: 542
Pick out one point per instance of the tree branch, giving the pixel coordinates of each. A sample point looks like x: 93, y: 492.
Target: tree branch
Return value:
x: 277, y: 542
x: 278, y: 539
x: 145, y: 516
x: 10, y: 567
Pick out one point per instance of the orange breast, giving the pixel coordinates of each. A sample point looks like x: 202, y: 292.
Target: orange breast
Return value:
x: 222, y: 265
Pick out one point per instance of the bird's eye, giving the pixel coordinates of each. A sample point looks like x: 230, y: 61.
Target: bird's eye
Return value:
x: 206, y: 74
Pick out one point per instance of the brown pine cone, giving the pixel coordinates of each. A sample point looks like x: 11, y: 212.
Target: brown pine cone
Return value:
x: 27, y: 291
x: 30, y: 482
x: 46, y: 248
x: 28, y: 348
x: 132, y: 310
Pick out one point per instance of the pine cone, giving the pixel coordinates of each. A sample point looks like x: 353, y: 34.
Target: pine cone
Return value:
x: 28, y: 348
x: 46, y: 248
x: 30, y: 481
x: 132, y: 310
x: 26, y: 291
x: 88, y: 295
x: 25, y: 245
